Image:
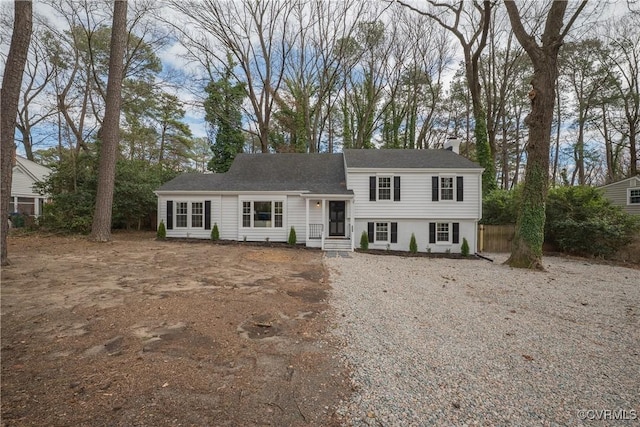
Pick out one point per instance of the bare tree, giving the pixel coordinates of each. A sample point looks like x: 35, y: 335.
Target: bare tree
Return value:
x: 38, y: 75
x: 527, y: 244
x: 255, y: 34
x: 469, y: 23
x: 10, y: 94
x: 585, y: 74
x: 109, y: 134
x: 502, y: 71
x: 625, y: 59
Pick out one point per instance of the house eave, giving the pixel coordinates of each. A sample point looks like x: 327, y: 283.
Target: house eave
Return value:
x: 224, y: 193
x: 416, y: 170
x: 621, y: 181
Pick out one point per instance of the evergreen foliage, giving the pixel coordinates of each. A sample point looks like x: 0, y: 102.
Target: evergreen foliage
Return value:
x: 223, y: 111
x: 292, y: 237
x: 162, y: 231
x: 582, y: 221
x: 464, y: 249
x: 413, y: 245
x: 578, y: 220
x: 215, y: 233
x: 364, y: 241
x: 72, y: 189
x: 500, y: 207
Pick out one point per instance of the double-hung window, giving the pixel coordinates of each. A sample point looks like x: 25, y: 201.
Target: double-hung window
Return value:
x: 634, y: 196
x: 384, y: 188
x: 446, y: 188
x: 182, y: 214
x: 278, y: 214
x: 442, y: 232
x: 197, y: 215
x: 382, y: 232
x: 246, y: 214
x: 188, y: 214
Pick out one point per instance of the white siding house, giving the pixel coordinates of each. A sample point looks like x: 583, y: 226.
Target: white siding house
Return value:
x: 625, y: 193
x: 435, y: 195
x: 24, y: 199
x: 332, y: 199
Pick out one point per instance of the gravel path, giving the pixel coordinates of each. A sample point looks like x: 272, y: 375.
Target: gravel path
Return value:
x: 469, y: 342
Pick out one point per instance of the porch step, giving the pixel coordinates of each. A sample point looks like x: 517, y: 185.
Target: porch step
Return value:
x: 337, y: 245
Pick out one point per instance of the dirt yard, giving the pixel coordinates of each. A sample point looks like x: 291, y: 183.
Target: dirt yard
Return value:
x: 149, y: 333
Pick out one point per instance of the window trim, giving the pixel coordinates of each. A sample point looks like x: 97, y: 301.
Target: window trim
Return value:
x: 449, y: 233
x: 375, y: 232
x: 453, y: 233
x: 189, y: 214
x: 193, y: 215
x: 274, y: 214
x: 177, y: 215
x: 392, y: 189
x: 441, y: 188
x: 389, y: 188
x: 456, y: 189
x: 629, y: 196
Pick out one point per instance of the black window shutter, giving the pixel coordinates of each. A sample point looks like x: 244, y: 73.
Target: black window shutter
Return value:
x: 207, y: 214
x: 370, y: 231
x: 372, y: 188
x: 432, y: 232
x: 456, y: 232
x: 169, y: 214
x: 394, y: 232
x: 396, y: 188
x: 459, y: 188
x: 434, y: 188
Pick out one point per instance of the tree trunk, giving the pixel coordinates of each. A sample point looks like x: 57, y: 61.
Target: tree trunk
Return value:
x: 557, y: 146
x: 101, y: 226
x: 633, y: 153
x: 9, y: 99
x: 527, y: 244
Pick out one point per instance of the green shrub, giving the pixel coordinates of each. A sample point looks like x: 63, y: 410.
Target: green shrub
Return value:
x: 500, y: 207
x: 413, y: 245
x: 162, y: 231
x: 292, y: 237
x: 582, y: 221
x: 215, y: 232
x: 364, y: 241
x: 464, y: 249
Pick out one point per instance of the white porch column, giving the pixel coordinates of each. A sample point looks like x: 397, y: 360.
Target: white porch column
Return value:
x: 306, y: 216
x: 352, y: 223
x: 325, y: 225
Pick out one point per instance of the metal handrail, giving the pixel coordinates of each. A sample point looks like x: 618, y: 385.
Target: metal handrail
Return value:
x: 316, y: 231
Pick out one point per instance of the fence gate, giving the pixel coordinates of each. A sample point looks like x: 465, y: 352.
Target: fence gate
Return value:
x: 495, y: 238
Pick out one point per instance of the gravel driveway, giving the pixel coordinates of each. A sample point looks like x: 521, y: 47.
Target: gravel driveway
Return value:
x: 455, y: 342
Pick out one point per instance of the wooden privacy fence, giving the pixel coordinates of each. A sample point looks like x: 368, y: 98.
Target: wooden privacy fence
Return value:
x: 495, y: 238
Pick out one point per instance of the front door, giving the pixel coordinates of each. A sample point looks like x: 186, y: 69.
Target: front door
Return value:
x: 336, y: 218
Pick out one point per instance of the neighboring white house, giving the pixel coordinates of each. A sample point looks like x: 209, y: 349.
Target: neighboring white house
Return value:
x: 24, y: 199
x: 624, y: 193
x: 331, y: 199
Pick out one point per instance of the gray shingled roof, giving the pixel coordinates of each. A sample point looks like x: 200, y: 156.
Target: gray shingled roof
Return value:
x: 411, y: 159
x: 314, y: 173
